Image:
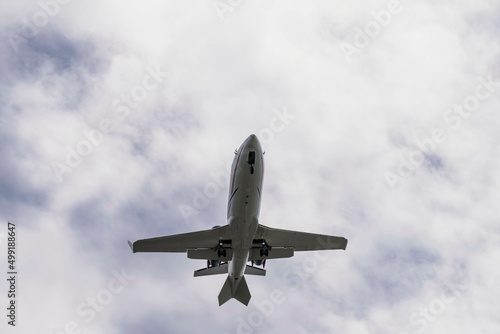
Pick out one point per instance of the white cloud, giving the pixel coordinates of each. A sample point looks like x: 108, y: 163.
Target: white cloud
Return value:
x: 227, y: 78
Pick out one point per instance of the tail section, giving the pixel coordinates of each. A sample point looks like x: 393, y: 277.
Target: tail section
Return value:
x: 226, y: 293
x: 249, y: 270
x: 235, y: 289
x: 242, y: 293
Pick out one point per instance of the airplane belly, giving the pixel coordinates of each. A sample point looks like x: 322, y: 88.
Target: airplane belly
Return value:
x: 244, y: 205
x: 244, y: 222
x: 244, y: 217
x: 229, y: 248
x: 238, y: 264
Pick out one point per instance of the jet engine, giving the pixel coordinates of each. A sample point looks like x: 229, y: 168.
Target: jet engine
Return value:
x: 260, y: 262
x: 213, y: 263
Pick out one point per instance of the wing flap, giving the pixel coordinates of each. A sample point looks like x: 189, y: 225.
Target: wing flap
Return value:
x: 274, y: 253
x: 183, y: 242
x: 209, y: 254
x: 300, y: 241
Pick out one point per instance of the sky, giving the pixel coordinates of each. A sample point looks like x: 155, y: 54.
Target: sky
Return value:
x: 118, y: 121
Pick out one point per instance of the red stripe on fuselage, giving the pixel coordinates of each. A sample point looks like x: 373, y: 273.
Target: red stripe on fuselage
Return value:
x: 232, y: 183
x: 234, y: 172
x: 261, y: 172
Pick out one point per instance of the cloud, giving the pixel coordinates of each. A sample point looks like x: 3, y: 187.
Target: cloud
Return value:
x: 140, y: 107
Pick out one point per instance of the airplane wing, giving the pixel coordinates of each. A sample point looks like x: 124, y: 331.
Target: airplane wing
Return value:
x: 300, y: 241
x: 182, y: 242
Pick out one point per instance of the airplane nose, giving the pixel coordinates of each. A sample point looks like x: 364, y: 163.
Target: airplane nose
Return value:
x: 252, y: 141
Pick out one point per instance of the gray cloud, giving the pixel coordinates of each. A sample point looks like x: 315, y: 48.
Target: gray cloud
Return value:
x: 425, y: 245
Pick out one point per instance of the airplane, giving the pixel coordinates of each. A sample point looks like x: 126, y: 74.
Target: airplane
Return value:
x: 228, y: 249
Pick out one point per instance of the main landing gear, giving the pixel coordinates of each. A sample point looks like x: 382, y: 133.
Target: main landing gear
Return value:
x: 264, y: 251
x: 221, y: 252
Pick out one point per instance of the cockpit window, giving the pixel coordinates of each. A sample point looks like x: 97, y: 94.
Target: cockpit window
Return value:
x: 251, y: 157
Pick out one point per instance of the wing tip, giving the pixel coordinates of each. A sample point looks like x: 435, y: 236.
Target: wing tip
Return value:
x: 131, y: 245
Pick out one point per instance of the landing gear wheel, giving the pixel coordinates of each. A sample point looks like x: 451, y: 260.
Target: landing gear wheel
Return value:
x: 221, y: 252
x: 264, y: 251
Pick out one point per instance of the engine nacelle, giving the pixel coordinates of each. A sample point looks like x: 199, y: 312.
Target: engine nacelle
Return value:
x: 259, y: 262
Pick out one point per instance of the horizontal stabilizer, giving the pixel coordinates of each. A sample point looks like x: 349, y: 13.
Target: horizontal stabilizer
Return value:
x: 222, y: 269
x: 249, y: 270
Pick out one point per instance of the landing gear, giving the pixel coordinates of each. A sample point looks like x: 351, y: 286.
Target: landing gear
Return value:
x: 264, y: 251
x: 221, y: 252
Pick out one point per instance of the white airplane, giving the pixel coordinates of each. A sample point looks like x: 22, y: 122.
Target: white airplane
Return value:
x: 229, y: 248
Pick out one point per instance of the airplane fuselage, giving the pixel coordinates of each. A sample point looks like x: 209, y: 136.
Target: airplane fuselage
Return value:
x: 245, y: 189
x: 227, y: 249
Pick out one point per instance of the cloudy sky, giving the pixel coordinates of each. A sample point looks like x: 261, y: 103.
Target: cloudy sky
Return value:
x: 380, y: 124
